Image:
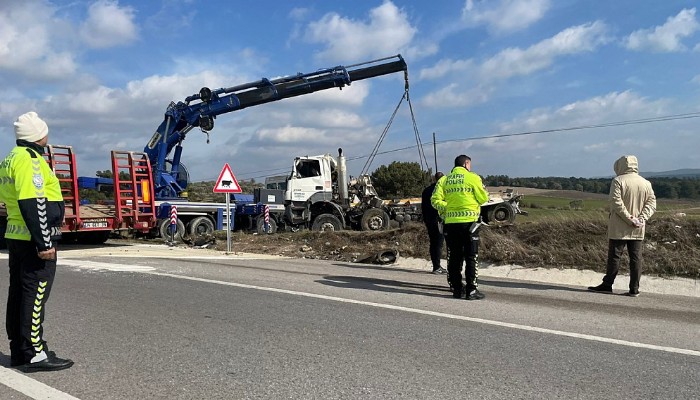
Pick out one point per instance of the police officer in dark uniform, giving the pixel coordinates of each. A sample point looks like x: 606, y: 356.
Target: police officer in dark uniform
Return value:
x: 458, y: 198
x: 32, y: 195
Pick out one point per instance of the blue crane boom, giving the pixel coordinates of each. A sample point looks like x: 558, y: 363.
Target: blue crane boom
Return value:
x: 200, y: 110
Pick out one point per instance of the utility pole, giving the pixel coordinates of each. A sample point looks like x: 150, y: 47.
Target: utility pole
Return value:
x: 435, y: 154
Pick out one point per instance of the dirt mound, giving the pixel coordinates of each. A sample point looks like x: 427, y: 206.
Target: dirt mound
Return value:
x: 672, y: 247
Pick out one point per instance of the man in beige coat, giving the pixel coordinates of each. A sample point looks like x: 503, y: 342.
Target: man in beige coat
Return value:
x: 632, y: 203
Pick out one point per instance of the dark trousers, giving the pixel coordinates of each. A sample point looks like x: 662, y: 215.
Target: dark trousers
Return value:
x: 436, y: 238
x: 634, y: 250
x: 30, y: 285
x: 462, y: 246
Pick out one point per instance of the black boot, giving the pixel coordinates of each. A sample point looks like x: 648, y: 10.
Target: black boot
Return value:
x: 602, y: 288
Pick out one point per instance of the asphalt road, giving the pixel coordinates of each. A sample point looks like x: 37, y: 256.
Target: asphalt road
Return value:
x: 239, y: 328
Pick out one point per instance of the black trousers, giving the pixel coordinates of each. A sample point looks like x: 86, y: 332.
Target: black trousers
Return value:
x: 615, y: 250
x: 31, y: 279
x: 462, y: 247
x: 436, y: 238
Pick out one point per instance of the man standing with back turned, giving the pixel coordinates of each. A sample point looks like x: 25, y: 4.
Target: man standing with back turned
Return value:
x: 458, y: 198
x: 431, y: 219
x: 632, y: 203
x: 32, y: 195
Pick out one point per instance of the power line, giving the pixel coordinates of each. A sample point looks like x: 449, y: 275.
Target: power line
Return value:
x: 525, y: 133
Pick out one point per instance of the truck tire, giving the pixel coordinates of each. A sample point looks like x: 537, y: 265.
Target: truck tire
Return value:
x: 502, y: 213
x: 272, y: 228
x: 95, y: 237
x: 69, y: 237
x: 375, y: 219
x: 200, y: 226
x: 326, y: 223
x: 164, y: 230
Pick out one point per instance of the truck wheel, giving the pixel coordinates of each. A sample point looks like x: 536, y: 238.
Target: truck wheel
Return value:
x: 200, y: 226
x: 164, y: 230
x: 272, y: 226
x: 326, y: 223
x: 374, y: 219
x: 69, y: 237
x: 95, y: 237
x: 502, y: 213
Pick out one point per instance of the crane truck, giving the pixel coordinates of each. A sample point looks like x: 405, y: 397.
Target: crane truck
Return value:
x: 164, y: 149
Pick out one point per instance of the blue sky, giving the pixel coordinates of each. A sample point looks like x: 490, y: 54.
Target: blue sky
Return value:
x: 102, y: 73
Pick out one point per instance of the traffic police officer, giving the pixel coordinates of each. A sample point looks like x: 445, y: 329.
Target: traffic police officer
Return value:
x: 32, y: 196
x: 458, y: 198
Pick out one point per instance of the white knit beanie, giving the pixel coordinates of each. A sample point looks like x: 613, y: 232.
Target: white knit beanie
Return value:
x: 30, y: 127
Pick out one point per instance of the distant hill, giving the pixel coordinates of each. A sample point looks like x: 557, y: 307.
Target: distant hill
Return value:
x: 676, y: 173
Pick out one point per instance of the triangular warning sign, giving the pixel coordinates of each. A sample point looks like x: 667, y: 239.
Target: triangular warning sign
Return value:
x: 227, y: 183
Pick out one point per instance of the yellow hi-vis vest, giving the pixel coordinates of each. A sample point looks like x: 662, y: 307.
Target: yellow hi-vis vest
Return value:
x: 458, y: 196
x: 24, y: 174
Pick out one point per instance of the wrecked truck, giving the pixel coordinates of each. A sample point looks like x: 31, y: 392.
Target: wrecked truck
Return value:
x: 501, y: 208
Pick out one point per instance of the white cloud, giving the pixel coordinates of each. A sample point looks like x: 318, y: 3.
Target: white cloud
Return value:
x: 444, y: 67
x: 455, y: 96
x: 504, y: 16
x: 299, y: 13
x: 386, y: 32
x: 508, y: 63
x: 31, y: 35
x: 666, y: 37
x: 289, y: 134
x: 108, y: 25
x: 515, y: 61
x: 563, y: 153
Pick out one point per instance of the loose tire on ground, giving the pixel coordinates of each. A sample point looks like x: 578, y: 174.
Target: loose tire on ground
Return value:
x: 200, y: 226
x: 375, y: 219
x: 272, y: 228
x: 326, y: 223
x: 502, y: 213
x: 164, y: 230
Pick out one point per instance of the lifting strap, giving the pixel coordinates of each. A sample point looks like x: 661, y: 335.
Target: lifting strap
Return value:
x: 421, y: 154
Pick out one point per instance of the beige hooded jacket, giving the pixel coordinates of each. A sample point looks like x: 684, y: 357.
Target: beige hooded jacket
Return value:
x: 631, y: 196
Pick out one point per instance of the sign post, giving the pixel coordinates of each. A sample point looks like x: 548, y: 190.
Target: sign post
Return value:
x: 227, y: 183
x: 267, y: 218
x: 173, y: 222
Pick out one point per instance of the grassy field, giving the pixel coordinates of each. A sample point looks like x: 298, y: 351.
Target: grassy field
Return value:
x: 558, y: 205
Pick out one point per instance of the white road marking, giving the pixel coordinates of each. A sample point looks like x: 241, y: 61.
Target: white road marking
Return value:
x: 30, y: 387
x: 100, y: 266
x: 79, y: 263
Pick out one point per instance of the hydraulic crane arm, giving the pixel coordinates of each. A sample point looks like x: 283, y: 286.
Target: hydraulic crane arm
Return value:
x: 200, y: 110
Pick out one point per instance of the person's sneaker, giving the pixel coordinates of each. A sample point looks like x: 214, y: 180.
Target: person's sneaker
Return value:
x: 439, y: 271
x: 458, y: 294
x: 632, y: 293
x: 602, y: 288
x: 475, y: 295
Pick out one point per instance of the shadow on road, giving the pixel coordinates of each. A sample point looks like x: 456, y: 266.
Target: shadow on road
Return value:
x: 4, y: 360
x: 386, y: 285
x: 528, y: 285
x: 441, y: 290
